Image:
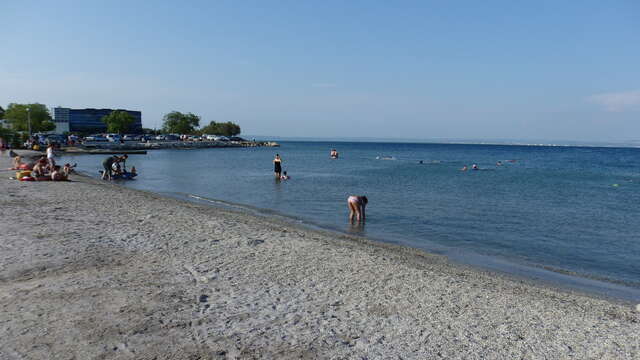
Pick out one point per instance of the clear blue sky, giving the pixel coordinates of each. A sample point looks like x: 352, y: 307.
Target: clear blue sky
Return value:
x: 406, y: 69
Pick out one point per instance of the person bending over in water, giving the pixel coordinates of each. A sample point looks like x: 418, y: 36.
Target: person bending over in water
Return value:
x: 277, y: 166
x: 106, y: 164
x: 356, y: 206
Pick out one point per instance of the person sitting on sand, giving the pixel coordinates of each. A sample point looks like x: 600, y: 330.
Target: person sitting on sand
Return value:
x: 356, y: 206
x: 68, y: 169
x: 57, y: 174
x: 38, y: 169
x: 17, y: 161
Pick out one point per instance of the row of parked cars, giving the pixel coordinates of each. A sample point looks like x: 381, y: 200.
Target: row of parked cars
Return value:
x: 118, y: 138
x: 163, y: 137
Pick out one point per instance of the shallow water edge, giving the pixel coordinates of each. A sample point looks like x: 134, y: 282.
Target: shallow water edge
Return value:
x: 556, y: 278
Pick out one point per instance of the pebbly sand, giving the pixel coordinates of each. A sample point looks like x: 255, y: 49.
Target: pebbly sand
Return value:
x: 91, y: 270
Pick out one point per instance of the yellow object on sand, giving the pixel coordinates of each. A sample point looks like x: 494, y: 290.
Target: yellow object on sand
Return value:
x: 22, y: 173
x: 36, y: 147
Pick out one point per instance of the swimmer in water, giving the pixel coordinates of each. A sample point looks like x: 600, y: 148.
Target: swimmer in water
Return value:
x: 475, y: 167
x: 464, y: 168
x: 499, y: 163
x: 285, y: 176
x: 356, y: 207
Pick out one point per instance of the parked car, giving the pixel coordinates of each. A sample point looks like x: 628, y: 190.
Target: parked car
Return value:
x: 55, y: 139
x: 167, y: 137
x: 130, y: 137
x: 236, y: 138
x: 114, y: 137
x: 96, y: 137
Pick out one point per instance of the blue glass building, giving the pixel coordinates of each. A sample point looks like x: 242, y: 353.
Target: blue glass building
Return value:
x: 90, y: 120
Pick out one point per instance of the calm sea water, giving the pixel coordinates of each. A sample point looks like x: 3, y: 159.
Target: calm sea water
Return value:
x: 573, y: 209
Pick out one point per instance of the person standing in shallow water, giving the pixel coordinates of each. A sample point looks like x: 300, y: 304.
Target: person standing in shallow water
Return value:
x: 277, y: 166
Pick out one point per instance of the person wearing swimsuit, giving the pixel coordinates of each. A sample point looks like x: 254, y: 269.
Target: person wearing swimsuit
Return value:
x: 277, y: 166
x: 356, y: 206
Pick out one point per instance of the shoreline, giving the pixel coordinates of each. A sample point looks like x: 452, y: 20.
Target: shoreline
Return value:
x: 136, y: 274
x: 537, y: 274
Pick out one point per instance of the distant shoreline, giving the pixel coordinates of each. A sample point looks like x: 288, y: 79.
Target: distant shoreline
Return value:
x: 587, y: 144
x: 101, y: 147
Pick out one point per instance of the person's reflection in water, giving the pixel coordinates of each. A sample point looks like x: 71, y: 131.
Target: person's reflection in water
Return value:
x: 356, y: 228
x: 277, y: 191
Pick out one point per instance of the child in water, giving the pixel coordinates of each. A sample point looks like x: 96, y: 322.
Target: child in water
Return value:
x: 285, y: 176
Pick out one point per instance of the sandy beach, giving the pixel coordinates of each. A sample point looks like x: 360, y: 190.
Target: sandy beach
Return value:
x: 93, y: 270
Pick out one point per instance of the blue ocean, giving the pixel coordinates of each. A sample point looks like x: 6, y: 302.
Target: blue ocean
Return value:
x: 556, y: 209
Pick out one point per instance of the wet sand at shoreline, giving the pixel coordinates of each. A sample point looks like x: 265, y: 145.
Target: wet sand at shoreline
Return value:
x: 94, y: 270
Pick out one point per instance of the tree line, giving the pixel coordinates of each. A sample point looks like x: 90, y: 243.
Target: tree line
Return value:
x: 37, y: 118
x: 22, y: 118
x: 176, y: 122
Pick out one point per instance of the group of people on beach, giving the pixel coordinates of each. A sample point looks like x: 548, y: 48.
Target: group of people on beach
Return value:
x: 41, y: 169
x: 356, y: 203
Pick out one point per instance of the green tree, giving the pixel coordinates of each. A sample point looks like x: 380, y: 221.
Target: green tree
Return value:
x: 18, y: 115
x: 118, y: 121
x: 227, y: 129
x: 176, y: 122
x: 1, y: 113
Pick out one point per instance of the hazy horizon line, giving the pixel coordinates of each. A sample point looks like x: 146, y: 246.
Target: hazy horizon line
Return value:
x: 496, y: 141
